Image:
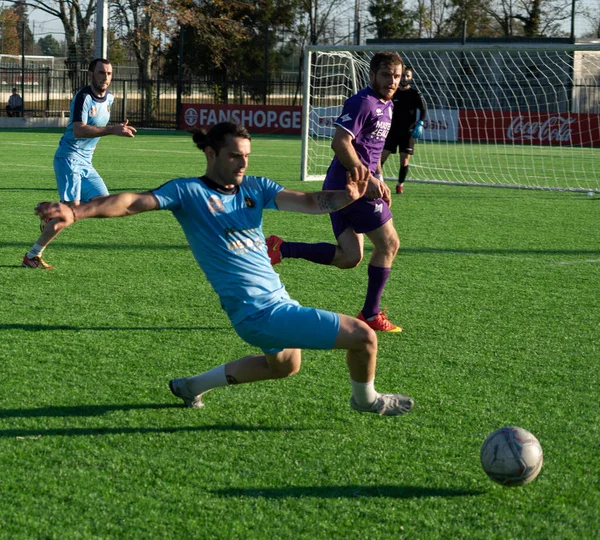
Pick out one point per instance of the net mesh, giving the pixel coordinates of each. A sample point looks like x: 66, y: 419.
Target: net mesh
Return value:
x: 511, y: 118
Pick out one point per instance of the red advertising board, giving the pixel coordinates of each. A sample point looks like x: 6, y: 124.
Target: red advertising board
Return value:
x: 530, y: 128
x: 256, y: 118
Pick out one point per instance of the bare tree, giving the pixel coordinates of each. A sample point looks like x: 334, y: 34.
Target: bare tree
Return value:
x: 75, y: 16
x: 530, y: 18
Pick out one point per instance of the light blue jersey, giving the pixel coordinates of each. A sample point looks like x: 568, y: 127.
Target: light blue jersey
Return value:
x: 224, y: 231
x: 91, y: 110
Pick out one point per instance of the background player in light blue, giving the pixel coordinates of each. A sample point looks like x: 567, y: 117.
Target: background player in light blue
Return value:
x: 221, y: 216
x: 76, y: 178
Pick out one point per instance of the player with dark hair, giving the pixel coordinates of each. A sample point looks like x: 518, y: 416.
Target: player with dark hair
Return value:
x: 220, y: 213
x: 76, y: 178
x: 405, y: 127
x: 360, y: 133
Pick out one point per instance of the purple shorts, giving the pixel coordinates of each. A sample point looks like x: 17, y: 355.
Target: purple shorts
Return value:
x: 362, y: 216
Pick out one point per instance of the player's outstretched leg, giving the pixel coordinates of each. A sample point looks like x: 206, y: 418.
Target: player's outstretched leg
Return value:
x: 251, y: 368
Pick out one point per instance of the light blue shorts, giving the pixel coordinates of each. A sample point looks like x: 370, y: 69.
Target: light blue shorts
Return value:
x: 77, y: 181
x: 290, y: 326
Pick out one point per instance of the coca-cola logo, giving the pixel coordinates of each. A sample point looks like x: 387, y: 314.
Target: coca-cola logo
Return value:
x: 554, y: 129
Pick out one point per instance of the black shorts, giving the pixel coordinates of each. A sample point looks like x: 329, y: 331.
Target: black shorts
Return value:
x: 403, y: 141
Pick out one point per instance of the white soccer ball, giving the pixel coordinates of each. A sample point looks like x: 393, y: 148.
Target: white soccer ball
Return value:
x: 512, y: 456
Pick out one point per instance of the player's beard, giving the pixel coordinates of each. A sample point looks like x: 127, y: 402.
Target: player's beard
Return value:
x: 98, y: 90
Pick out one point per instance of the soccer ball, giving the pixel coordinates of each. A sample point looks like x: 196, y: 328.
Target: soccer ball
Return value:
x: 512, y: 456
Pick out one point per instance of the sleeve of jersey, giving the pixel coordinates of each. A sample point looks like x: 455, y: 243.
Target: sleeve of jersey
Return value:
x: 81, y: 107
x: 168, y: 195
x: 269, y: 190
x: 353, y: 116
x: 422, y: 106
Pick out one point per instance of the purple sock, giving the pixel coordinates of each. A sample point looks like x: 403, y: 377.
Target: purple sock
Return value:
x: 377, y: 280
x: 322, y: 253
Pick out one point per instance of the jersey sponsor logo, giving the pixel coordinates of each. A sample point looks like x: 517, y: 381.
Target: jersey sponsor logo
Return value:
x: 381, y: 130
x: 215, y: 204
x: 241, y: 241
x: 249, y: 202
x: 378, y: 208
x: 345, y: 118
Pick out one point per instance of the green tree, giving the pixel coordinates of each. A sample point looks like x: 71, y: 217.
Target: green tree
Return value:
x: 230, y: 41
x: 479, y: 23
x: 49, y: 46
x: 390, y: 19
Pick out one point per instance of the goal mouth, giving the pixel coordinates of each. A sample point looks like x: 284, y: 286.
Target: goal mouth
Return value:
x: 523, y: 117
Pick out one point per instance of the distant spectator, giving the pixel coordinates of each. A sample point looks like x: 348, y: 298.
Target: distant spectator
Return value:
x: 15, y: 104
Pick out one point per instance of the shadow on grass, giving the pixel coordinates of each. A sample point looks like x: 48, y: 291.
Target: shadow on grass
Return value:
x: 27, y: 189
x: 351, y: 491
x: 86, y: 432
x: 109, y: 246
x: 70, y: 328
x: 83, y: 410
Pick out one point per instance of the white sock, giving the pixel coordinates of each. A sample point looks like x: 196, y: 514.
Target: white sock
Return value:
x: 36, y: 251
x: 364, y: 393
x: 207, y: 381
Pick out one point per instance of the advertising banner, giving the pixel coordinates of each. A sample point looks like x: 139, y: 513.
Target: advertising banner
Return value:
x: 530, y: 128
x: 257, y: 118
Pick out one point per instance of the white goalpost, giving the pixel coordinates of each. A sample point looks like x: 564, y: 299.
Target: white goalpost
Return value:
x: 503, y: 115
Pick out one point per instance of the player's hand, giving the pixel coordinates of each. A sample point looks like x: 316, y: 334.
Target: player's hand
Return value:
x: 418, y: 131
x: 124, y: 130
x: 60, y: 211
x: 375, y: 189
x: 357, y: 180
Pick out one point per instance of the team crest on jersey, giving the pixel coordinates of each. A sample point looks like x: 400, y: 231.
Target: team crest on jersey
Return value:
x: 249, y: 202
x: 93, y: 111
x: 108, y: 108
x: 215, y: 204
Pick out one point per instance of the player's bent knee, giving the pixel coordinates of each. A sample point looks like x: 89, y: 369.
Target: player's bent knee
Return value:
x: 349, y: 261
x: 364, y: 336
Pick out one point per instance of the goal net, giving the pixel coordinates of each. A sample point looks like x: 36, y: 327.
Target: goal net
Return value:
x: 505, y: 115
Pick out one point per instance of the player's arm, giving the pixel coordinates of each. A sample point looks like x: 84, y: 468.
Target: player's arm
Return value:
x: 82, y: 130
x: 118, y: 205
x: 324, y: 202
x: 422, y: 107
x: 341, y: 144
x: 344, y: 151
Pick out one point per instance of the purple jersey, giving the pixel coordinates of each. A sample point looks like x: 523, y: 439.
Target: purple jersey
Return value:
x: 368, y: 119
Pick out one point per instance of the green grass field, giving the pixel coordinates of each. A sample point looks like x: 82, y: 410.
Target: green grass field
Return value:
x: 498, y: 292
